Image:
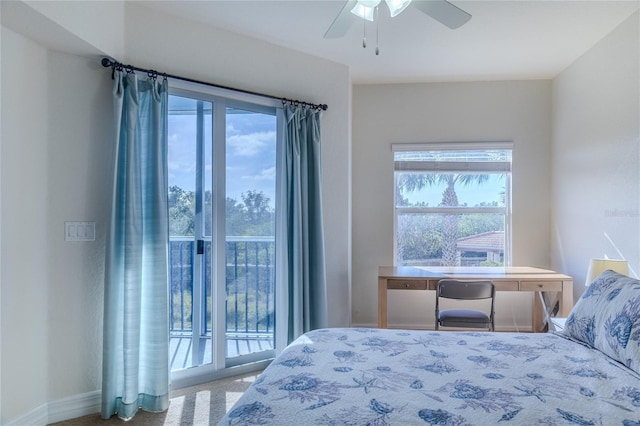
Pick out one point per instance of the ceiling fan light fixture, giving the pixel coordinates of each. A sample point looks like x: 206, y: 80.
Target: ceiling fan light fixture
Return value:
x: 369, y: 3
x: 363, y: 12
x: 397, y: 6
x: 440, y: 10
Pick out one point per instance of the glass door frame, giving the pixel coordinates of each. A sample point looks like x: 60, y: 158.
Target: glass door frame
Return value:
x: 220, y: 366
x: 219, y: 208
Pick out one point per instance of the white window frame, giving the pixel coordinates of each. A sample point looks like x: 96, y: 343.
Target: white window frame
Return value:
x: 452, y: 166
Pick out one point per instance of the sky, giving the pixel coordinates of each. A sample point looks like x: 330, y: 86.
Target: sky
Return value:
x: 472, y: 195
x: 250, y: 149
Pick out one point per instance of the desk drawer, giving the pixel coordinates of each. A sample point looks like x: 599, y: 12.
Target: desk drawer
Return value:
x: 541, y: 286
x: 407, y: 284
x: 503, y: 285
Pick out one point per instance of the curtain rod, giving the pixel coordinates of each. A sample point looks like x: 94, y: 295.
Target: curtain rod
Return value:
x: 108, y: 63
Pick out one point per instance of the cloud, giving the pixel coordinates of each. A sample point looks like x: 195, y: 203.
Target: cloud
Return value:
x: 251, y: 144
x: 265, y: 174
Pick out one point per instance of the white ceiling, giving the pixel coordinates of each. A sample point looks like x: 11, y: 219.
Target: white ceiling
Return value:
x: 515, y: 39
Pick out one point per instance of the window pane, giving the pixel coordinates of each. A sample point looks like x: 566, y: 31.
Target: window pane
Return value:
x: 251, y: 173
x: 450, y: 189
x: 189, y: 125
x: 181, y: 165
x: 435, y: 239
x: 250, y: 227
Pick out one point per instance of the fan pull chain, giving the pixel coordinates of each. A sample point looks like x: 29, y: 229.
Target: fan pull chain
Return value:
x: 377, y: 29
x: 364, y: 33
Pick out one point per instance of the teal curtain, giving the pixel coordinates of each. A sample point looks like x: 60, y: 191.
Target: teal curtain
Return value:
x: 136, y: 326
x: 303, y: 298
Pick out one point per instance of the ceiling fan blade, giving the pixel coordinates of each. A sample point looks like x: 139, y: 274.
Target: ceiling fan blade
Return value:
x: 343, y: 21
x: 443, y: 11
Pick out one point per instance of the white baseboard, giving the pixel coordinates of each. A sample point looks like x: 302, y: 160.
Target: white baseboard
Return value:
x: 90, y: 402
x: 37, y: 416
x: 59, y: 410
x: 75, y: 406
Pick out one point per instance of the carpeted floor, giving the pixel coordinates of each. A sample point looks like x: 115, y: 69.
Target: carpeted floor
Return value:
x: 198, y: 405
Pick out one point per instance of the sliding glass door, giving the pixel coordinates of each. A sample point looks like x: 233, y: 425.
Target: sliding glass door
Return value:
x: 190, y: 137
x: 250, y: 246
x: 222, y: 180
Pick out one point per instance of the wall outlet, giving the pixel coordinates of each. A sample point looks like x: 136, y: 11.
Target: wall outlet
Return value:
x: 79, y: 231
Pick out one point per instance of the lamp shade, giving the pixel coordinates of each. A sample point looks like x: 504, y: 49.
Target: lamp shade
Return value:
x: 598, y: 266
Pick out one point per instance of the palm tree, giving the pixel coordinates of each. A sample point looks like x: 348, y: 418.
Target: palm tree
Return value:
x: 417, y: 181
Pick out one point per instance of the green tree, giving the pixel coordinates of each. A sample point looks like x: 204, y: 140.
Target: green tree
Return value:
x: 450, y: 228
x: 258, y: 214
x: 253, y: 216
x: 413, y: 247
x: 235, y: 217
x: 478, y: 223
x: 181, y: 211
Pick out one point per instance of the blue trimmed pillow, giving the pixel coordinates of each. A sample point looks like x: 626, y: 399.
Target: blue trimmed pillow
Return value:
x: 607, y: 318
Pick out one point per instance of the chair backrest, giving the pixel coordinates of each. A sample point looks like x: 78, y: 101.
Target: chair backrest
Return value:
x: 467, y: 290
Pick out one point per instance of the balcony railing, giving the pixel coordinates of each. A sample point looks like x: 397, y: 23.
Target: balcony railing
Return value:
x: 250, y: 276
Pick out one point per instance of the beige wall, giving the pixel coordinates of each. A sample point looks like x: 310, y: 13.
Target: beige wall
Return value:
x: 81, y: 27
x: 517, y: 111
x: 24, y: 213
x: 55, y: 157
x: 596, y: 167
x: 56, y: 146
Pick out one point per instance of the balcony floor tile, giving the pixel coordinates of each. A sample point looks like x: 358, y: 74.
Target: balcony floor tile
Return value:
x: 180, y: 348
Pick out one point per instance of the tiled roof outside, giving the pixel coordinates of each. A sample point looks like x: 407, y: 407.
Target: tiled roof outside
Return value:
x: 487, y: 241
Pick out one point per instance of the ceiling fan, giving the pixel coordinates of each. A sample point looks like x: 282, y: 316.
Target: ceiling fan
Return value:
x: 440, y: 10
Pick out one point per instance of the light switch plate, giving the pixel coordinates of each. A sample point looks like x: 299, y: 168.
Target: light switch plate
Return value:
x: 79, y: 231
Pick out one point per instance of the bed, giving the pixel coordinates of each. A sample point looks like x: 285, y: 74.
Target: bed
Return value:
x: 586, y: 375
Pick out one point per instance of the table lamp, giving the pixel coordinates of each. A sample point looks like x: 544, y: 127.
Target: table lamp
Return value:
x: 598, y: 266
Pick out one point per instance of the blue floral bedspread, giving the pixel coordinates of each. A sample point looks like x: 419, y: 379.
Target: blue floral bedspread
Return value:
x: 399, y: 377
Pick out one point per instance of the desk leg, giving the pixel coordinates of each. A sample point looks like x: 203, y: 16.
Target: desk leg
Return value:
x: 566, y: 299
x: 382, y: 303
x: 537, y: 320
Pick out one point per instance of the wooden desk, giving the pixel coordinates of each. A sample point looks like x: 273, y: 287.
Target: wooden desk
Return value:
x: 516, y: 278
